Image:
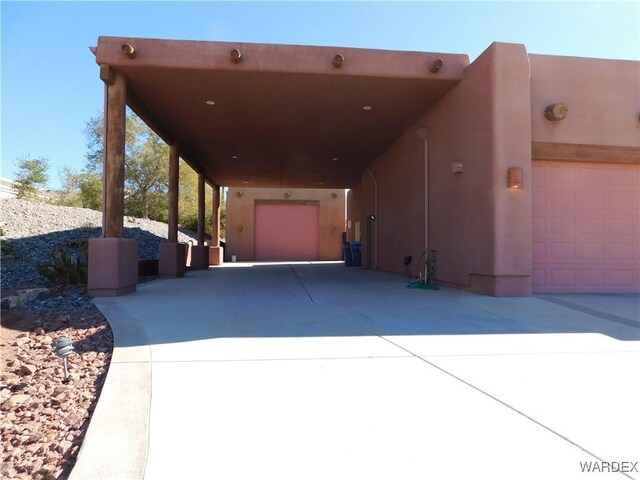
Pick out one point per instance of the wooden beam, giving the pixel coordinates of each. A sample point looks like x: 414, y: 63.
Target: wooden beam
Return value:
x: 151, y: 120
x: 215, y: 218
x: 141, y: 110
x: 200, y: 209
x: 113, y: 160
x: 106, y: 74
x: 173, y: 193
x: 570, y: 152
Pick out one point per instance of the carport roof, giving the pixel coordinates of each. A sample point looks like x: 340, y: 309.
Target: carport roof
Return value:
x: 284, y: 116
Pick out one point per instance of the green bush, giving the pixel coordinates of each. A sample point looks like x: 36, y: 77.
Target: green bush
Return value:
x: 67, y: 267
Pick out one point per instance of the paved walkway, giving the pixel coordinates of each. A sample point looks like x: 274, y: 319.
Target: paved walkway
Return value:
x: 327, y: 372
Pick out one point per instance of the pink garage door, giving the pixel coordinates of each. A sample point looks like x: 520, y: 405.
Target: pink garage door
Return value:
x: 585, y: 227
x: 286, y: 232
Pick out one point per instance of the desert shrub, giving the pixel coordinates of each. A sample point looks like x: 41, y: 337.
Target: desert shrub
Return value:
x: 67, y: 267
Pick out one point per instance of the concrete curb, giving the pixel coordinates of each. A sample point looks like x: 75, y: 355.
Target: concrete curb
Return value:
x: 117, y: 441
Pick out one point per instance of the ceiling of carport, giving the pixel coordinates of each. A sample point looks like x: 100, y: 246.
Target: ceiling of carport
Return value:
x: 284, y: 116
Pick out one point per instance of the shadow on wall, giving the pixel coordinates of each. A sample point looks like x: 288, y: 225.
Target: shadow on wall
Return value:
x: 331, y: 300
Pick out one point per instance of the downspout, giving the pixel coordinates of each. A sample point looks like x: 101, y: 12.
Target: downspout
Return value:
x: 424, y: 134
x: 374, y: 260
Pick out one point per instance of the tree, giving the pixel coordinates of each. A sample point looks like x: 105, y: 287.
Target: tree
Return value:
x: 146, y: 167
x: 31, y: 177
x: 82, y: 189
x: 146, y: 176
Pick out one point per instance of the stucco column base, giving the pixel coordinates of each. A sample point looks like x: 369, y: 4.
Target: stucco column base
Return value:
x: 113, y: 266
x: 173, y: 259
x: 216, y: 255
x: 501, y: 285
x: 199, y: 257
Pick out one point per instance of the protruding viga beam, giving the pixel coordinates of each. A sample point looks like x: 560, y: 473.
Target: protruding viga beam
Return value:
x: 269, y: 58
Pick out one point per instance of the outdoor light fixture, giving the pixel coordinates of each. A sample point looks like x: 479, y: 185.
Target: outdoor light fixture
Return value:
x: 457, y: 167
x: 338, y: 60
x: 129, y: 50
x: 332, y: 228
x: 436, y: 65
x: 372, y: 218
x: 64, y: 348
x: 514, y: 178
x: 235, y: 157
x: 334, y: 195
x: 335, y: 159
x: 236, y: 56
x: 556, y: 111
x: 239, y: 193
x: 239, y: 228
x: 210, y: 102
x: 367, y: 108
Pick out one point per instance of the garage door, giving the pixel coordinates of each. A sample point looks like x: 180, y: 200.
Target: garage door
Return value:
x: 585, y: 227
x: 286, y: 232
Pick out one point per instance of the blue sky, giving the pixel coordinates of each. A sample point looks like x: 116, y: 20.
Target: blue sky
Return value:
x: 49, y: 79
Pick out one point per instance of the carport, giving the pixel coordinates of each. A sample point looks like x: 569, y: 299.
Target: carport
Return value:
x: 438, y: 154
x: 252, y: 115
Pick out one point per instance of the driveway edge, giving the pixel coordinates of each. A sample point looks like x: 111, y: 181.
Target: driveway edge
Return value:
x: 117, y: 441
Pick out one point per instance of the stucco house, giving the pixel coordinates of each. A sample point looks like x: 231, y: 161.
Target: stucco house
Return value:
x: 521, y: 170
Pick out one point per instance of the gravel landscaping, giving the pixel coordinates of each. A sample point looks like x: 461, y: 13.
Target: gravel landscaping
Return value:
x: 43, y: 420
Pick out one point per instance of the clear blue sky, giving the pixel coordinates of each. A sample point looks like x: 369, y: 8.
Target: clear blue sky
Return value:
x: 50, y: 84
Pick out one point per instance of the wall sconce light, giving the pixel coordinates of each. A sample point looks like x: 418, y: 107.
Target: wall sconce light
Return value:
x: 556, y: 111
x: 287, y: 194
x: 436, y: 65
x: 239, y: 228
x: 338, y: 60
x: 236, y: 56
x: 332, y: 229
x: 129, y: 50
x: 514, y: 178
x: 239, y: 193
x: 457, y: 167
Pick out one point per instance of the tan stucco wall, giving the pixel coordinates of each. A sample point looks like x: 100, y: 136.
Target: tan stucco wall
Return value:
x: 241, y: 211
x: 481, y: 229
x: 603, y: 97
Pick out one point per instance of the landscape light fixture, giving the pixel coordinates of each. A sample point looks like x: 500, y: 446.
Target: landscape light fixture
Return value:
x: 64, y: 348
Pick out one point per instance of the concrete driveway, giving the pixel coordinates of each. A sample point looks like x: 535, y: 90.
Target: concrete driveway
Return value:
x: 301, y: 371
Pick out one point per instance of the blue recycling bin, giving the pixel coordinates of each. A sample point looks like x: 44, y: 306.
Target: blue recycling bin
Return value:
x: 356, y: 254
x: 346, y: 247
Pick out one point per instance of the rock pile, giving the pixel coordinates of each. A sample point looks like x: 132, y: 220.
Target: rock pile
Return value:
x: 31, y: 231
x: 42, y: 419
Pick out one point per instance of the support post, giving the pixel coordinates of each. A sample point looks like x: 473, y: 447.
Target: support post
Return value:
x: 173, y: 255
x: 200, y: 253
x: 174, y: 184
x: 216, y: 252
x: 113, y: 260
x: 113, y: 157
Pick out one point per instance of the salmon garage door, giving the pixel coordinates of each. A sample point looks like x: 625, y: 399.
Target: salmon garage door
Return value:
x: 585, y: 227
x: 286, y: 232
